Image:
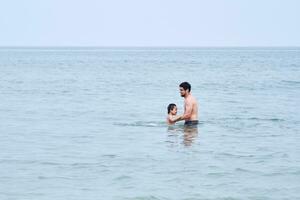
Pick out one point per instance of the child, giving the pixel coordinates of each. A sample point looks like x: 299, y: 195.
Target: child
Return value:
x: 172, y: 111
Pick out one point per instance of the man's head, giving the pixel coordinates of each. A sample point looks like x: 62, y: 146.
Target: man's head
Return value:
x: 184, y: 88
x: 172, y: 108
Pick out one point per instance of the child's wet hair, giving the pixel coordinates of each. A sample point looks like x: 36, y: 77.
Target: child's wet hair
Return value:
x: 171, y: 106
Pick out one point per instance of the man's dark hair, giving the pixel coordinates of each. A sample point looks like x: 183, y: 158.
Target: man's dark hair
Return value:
x: 185, y: 86
x: 171, y: 106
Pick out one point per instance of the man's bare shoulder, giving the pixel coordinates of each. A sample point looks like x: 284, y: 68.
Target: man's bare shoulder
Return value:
x: 193, y: 100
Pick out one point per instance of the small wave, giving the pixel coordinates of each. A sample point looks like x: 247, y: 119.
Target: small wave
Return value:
x: 246, y: 118
x: 50, y: 163
x: 295, y: 172
x: 86, y: 165
x: 143, y: 124
x: 274, y: 174
x: 145, y: 198
x: 218, y: 174
x: 235, y: 155
x: 267, y: 119
x: 53, y: 177
x: 123, y: 177
x: 291, y: 82
x: 109, y: 156
x: 15, y: 161
x: 242, y: 170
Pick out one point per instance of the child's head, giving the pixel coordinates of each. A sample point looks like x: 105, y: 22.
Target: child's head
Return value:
x: 172, y: 108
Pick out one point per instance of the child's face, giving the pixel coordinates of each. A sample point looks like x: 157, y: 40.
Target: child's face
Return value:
x: 174, y: 111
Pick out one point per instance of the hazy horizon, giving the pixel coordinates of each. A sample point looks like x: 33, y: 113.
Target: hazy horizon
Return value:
x: 89, y: 46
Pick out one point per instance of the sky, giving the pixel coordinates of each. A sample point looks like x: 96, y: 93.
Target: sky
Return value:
x: 150, y: 23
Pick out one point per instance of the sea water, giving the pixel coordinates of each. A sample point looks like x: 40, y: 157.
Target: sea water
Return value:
x: 89, y: 123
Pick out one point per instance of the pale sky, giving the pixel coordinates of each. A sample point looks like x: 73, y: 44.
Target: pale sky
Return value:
x: 150, y: 23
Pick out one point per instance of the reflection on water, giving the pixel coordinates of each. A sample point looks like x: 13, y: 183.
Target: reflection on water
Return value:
x: 190, y: 133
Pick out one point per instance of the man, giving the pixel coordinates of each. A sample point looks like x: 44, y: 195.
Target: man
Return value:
x: 190, y: 114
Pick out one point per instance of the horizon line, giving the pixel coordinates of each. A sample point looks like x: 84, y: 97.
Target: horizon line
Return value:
x: 140, y: 46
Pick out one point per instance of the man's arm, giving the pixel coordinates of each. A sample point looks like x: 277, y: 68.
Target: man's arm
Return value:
x: 187, y: 111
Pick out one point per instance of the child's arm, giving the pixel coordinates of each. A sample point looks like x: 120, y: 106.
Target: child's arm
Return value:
x: 174, y: 119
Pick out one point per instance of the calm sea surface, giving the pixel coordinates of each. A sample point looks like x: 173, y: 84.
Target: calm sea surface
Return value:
x: 89, y: 123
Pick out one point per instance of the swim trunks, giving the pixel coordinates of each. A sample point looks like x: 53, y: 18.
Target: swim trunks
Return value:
x: 191, y: 123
